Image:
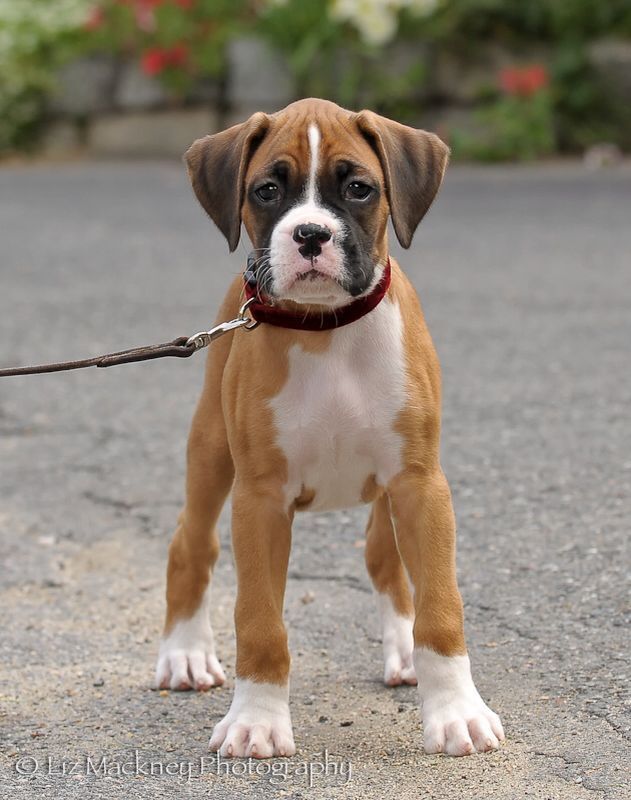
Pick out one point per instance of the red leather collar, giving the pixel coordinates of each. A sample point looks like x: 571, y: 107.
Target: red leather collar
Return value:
x: 324, y: 321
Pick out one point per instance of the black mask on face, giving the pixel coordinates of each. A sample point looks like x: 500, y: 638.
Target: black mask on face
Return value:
x: 249, y: 276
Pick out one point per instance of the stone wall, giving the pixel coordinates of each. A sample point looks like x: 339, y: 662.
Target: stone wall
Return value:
x: 109, y: 107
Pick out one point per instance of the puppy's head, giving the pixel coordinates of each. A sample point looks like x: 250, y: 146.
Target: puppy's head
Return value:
x: 314, y: 185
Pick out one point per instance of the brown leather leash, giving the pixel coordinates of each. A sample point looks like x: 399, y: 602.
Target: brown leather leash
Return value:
x: 253, y: 312
x: 182, y: 347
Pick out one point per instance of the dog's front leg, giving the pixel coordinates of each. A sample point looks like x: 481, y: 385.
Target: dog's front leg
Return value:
x: 455, y: 718
x: 187, y: 658
x: 258, y: 723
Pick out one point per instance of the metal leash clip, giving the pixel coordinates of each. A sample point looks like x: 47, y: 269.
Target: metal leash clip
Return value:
x: 242, y: 320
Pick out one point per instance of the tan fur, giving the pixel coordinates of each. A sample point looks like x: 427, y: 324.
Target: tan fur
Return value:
x: 420, y: 500
x: 371, y: 489
x: 383, y: 562
x: 195, y: 546
x: 234, y: 425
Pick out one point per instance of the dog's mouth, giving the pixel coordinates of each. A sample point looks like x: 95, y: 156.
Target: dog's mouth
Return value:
x: 310, y: 283
x: 313, y: 275
x: 314, y: 286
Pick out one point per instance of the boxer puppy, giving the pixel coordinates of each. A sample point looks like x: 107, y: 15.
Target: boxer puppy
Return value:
x: 334, y: 400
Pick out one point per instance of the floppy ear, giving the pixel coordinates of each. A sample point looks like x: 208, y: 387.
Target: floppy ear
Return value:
x: 413, y: 163
x: 217, y: 166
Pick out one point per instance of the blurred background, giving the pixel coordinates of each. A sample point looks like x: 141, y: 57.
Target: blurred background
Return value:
x: 500, y: 80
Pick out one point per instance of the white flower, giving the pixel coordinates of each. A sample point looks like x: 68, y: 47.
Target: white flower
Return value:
x: 375, y: 20
x: 343, y: 9
x: 377, y: 25
x: 422, y: 7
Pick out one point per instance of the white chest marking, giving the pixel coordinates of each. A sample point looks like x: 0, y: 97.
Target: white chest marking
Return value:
x: 335, y: 415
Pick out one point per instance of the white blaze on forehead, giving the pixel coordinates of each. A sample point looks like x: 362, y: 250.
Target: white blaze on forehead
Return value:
x: 286, y: 261
x: 313, y: 134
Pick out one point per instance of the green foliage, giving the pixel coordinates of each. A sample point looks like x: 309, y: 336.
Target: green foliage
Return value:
x: 35, y: 38
x: 518, y: 21
x: 344, y: 56
x: 178, y: 40
x: 342, y: 49
x: 515, y: 129
x: 331, y: 56
x: 308, y: 38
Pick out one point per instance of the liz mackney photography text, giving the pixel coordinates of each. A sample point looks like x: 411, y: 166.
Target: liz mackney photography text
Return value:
x: 320, y: 769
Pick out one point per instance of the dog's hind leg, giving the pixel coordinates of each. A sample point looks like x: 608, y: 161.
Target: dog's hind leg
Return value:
x: 187, y: 658
x: 394, y: 599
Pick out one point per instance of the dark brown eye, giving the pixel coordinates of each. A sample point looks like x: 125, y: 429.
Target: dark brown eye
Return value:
x: 267, y: 193
x: 357, y: 191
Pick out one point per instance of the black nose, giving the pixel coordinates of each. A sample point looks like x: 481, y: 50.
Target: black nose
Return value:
x: 311, y: 237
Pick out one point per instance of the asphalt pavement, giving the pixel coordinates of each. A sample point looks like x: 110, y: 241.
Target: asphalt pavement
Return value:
x: 525, y: 278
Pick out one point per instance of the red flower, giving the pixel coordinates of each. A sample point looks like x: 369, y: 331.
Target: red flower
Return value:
x: 524, y: 81
x: 534, y: 78
x: 145, y: 18
x: 177, y: 56
x: 95, y: 19
x: 154, y: 61
x: 157, y: 59
x: 510, y: 80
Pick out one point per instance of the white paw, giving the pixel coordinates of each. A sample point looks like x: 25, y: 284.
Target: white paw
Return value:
x: 258, y: 724
x: 398, y: 644
x: 188, y: 669
x: 187, y: 657
x: 456, y: 721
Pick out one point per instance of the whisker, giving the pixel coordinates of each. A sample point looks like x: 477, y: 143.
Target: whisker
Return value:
x: 257, y: 261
